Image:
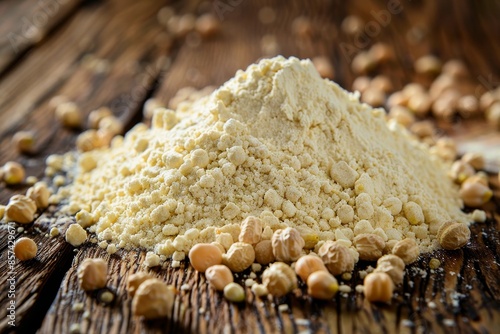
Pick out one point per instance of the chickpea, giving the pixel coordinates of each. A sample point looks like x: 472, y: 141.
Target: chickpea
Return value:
x: 428, y: 65
x: 13, y: 173
x: 352, y: 25
x: 373, y: 97
x: 378, y: 287
x: 251, y: 230
x: 135, y: 280
x: 207, y: 25
x: 468, y: 106
x: 287, y: 244
x: 406, y: 249
x: 219, y: 276
x: 239, y: 256
x: 402, y: 115
x: 456, y: 69
x: 493, y: 115
x: 302, y: 27
x: 40, y: 194
x: 397, y: 99
x: 24, y: 141
x: 264, y: 252
x: 361, y: 84
x: 369, y: 246
x: 279, y: 279
x: 336, y: 257
x: 20, y: 209
x: 475, y: 159
x: 234, y: 292
x: 95, y: 116
x: 475, y: 193
x: 383, y: 83
x: 324, y: 67
x: 363, y: 63
x: 381, y: 53
x: 69, y: 115
x: 153, y: 299
x: 487, y: 100
x: 203, y: 256
x: 322, y: 285
x: 452, y: 235
x: 25, y: 249
x: 460, y: 171
x: 420, y: 104
x: 92, y: 274
x: 308, y: 264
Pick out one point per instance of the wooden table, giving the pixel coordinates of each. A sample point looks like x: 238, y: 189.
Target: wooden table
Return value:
x: 116, y: 53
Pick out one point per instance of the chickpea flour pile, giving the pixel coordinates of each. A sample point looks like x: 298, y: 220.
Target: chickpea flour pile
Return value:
x: 277, y: 142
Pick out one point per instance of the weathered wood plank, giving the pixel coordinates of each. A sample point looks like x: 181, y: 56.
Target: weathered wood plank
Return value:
x: 26, y: 23
x: 464, y: 291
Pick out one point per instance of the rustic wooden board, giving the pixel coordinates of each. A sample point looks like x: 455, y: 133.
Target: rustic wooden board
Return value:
x: 125, y: 38
x: 25, y: 23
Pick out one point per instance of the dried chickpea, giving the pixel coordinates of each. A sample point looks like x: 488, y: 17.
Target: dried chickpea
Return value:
x: 308, y: 264
x: 207, y: 25
x: 219, y: 276
x: 423, y: 129
x: 402, y: 115
x: 95, y: 116
x: 234, y: 292
x: 382, y: 83
x: 361, y: 84
x: 363, y: 63
x: 468, y: 106
x: 337, y: 258
x: 69, y: 115
x: 378, y: 287
x: 251, y: 230
x: 287, y: 244
x: 456, y: 69
x: 264, y: 252
x: 20, y: 209
x: 279, y: 279
x: 239, y: 256
x: 428, y: 65
x: 369, y: 246
x: 324, y: 67
x: 24, y: 141
x: 153, y: 299
x: 2, y: 211
x: 13, y: 173
x: 373, y: 96
x: 397, y: 99
x: 460, y: 171
x: 322, y: 285
x: 202, y: 256
x: 475, y: 159
x: 452, y: 235
x: 135, y: 280
x: 381, y: 52
x: 434, y: 263
x: 487, y: 99
x: 407, y: 249
x: 40, y: 194
x: 352, y: 24
x: 89, y: 140
x: 393, y: 266
x: 25, y: 249
x: 493, y: 115
x: 475, y: 193
x: 111, y: 124
x: 92, y: 274
x: 420, y: 104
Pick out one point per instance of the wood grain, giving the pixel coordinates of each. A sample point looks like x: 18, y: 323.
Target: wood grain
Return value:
x: 114, y: 53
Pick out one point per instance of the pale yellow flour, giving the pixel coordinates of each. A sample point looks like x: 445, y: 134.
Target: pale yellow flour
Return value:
x: 279, y: 142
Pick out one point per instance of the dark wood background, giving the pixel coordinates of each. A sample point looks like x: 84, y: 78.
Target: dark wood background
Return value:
x: 116, y: 53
